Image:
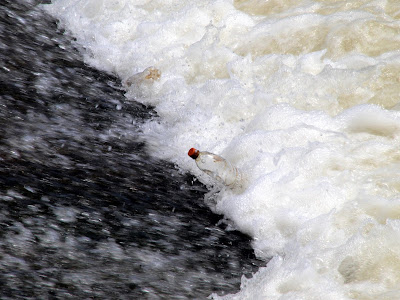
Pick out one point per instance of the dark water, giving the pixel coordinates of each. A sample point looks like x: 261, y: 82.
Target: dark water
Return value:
x: 85, y: 213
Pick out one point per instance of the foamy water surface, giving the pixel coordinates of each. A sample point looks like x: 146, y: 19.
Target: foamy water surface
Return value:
x: 302, y: 96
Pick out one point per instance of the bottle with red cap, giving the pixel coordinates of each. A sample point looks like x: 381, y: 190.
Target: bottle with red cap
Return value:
x: 218, y: 168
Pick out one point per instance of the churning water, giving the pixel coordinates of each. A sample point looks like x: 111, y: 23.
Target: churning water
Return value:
x: 302, y: 96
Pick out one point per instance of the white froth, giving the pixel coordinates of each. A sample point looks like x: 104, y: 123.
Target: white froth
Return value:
x: 302, y: 96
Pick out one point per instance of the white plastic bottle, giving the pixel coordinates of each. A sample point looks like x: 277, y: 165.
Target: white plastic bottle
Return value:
x: 218, y: 168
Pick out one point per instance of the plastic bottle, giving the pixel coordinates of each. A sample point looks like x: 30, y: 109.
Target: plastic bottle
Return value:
x: 218, y: 168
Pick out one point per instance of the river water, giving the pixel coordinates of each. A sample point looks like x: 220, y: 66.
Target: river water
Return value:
x: 301, y: 96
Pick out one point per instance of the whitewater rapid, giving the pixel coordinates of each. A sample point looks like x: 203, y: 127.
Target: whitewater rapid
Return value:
x: 302, y: 96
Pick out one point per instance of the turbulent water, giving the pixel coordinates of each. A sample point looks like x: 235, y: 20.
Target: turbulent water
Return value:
x: 302, y: 96
x: 85, y: 212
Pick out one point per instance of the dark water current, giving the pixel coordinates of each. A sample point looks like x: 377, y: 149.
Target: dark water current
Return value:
x: 85, y: 213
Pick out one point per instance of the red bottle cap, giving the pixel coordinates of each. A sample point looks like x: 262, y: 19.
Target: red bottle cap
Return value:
x: 193, y: 153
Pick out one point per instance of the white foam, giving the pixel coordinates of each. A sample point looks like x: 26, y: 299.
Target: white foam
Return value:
x: 299, y: 96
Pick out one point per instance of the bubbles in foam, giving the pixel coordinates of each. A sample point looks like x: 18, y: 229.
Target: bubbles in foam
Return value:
x: 302, y: 96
